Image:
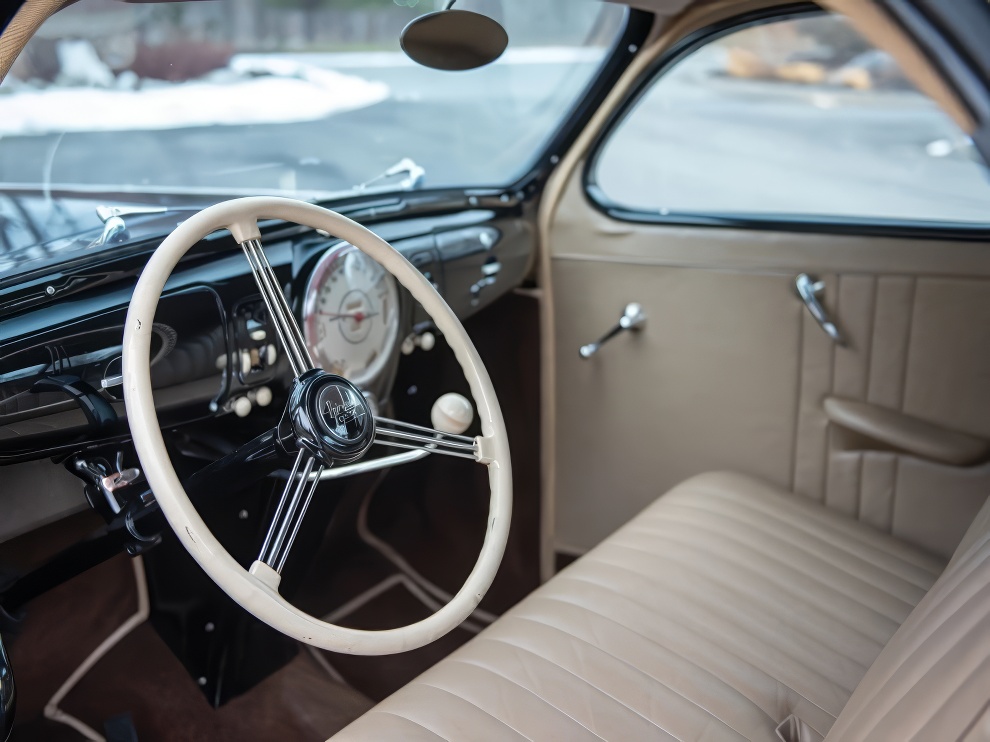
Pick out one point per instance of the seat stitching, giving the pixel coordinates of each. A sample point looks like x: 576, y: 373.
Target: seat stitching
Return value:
x: 790, y: 511
x: 693, y: 599
x: 687, y: 629
x: 770, y: 557
x: 756, y: 606
x: 637, y: 670
x: 470, y: 703
x: 765, y: 577
x: 675, y: 652
x: 822, y: 520
x: 760, y: 515
x: 799, y: 545
x: 535, y: 695
x: 809, y: 576
x: 406, y: 718
x: 806, y: 520
x: 930, y: 628
x: 824, y: 607
x: 919, y: 655
x: 662, y: 648
x: 476, y: 663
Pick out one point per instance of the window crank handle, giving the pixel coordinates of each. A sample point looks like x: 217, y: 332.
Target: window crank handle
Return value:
x: 632, y: 319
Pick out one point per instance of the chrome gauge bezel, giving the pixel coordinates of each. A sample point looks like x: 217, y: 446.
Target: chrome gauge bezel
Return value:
x: 311, y: 317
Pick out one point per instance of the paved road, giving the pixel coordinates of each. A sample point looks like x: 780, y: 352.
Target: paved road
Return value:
x: 699, y: 143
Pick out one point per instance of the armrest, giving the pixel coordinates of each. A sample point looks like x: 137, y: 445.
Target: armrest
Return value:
x: 909, y: 434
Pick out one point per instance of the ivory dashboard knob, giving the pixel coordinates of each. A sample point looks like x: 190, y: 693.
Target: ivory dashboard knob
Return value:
x: 452, y: 413
x: 262, y: 396
x: 242, y: 406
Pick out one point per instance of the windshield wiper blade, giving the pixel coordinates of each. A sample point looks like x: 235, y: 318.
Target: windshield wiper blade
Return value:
x: 415, y: 175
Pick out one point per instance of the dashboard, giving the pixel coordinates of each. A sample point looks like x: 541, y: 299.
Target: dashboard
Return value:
x: 214, y: 352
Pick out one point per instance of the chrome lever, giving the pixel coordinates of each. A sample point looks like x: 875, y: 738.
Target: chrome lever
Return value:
x: 632, y: 319
x: 809, y: 290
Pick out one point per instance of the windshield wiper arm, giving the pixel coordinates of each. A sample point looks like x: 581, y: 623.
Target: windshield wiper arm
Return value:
x: 113, y: 222
x: 415, y: 175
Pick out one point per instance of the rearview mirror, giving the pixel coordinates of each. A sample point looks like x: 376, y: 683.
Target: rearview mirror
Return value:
x: 454, y: 40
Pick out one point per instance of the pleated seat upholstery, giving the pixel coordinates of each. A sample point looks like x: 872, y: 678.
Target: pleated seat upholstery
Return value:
x: 721, y: 610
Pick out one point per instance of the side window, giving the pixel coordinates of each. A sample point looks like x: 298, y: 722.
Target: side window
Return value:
x: 792, y: 119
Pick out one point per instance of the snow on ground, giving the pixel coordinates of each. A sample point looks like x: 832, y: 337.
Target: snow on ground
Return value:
x: 250, y: 91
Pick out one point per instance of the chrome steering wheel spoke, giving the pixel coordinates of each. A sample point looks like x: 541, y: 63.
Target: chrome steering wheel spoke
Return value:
x: 290, y: 511
x: 279, y: 309
x: 398, y: 434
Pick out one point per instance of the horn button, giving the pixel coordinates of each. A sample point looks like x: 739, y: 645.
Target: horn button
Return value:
x: 329, y: 417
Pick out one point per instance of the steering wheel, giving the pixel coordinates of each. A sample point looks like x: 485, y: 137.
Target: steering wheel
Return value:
x: 327, y: 423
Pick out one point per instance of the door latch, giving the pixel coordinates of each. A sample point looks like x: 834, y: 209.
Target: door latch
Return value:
x: 810, y: 290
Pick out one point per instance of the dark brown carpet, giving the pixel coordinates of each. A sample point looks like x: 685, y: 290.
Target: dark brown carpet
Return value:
x: 140, y: 676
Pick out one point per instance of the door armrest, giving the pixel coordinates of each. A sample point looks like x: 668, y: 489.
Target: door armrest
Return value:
x: 909, y: 434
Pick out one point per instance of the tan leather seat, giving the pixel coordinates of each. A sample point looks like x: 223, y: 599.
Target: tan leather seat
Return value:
x: 717, y: 613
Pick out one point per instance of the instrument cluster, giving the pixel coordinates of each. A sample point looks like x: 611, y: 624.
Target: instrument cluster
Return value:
x: 351, y: 315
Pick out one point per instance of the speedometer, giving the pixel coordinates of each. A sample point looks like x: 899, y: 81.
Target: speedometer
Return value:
x: 351, y: 314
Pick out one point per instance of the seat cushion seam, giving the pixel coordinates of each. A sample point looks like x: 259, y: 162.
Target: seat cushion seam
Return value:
x: 722, y: 619
x: 637, y: 670
x: 820, y: 516
x: 767, y: 578
x: 674, y: 652
x: 754, y: 605
x: 704, y: 638
x: 569, y: 672
x: 798, y: 545
x: 420, y: 681
x: 799, y: 523
x: 783, y: 566
x: 406, y: 718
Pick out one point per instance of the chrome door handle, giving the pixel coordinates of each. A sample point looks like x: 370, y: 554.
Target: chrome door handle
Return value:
x: 809, y: 290
x: 632, y: 319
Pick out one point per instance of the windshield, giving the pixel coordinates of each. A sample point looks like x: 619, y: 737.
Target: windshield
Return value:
x: 200, y: 101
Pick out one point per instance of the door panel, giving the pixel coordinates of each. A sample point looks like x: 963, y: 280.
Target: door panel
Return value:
x: 730, y: 371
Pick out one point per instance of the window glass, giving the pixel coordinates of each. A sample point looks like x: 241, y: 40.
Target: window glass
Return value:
x: 286, y: 95
x: 792, y: 118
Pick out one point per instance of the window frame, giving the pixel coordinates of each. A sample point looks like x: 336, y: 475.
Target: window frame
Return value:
x: 811, y: 223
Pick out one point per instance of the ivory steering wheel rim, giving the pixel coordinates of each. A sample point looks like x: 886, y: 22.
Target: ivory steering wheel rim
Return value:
x: 255, y: 592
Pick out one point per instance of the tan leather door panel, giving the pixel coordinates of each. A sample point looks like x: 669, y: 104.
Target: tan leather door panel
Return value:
x: 731, y: 372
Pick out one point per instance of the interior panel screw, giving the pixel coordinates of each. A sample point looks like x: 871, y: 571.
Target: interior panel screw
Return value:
x: 50, y: 290
x: 209, y: 627
x: 243, y: 515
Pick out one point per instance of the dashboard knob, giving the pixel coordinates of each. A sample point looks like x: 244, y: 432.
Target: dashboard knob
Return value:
x: 452, y: 413
x: 242, y: 406
x: 263, y: 396
x: 427, y: 341
x: 245, y: 363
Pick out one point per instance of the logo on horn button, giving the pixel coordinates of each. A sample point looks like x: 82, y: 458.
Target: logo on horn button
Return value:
x: 342, y: 411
